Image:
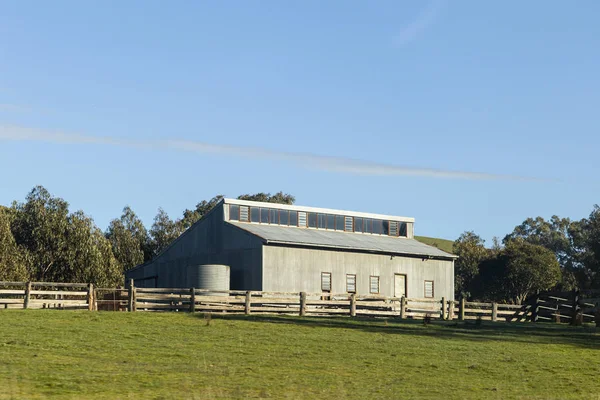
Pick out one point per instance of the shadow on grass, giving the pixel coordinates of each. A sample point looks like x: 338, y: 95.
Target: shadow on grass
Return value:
x: 538, y: 333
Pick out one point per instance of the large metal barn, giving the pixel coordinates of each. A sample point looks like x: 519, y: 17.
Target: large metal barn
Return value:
x: 246, y: 245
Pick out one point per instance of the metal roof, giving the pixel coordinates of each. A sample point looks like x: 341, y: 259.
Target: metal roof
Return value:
x: 317, y: 210
x: 341, y: 240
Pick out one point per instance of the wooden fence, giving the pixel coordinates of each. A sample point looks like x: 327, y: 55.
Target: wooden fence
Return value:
x: 563, y: 307
x: 46, y: 295
x: 86, y: 296
x: 291, y: 303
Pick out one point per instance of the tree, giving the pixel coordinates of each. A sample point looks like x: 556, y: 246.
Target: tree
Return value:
x: 13, y: 259
x: 39, y: 226
x: 488, y: 284
x: 586, y: 249
x: 202, y: 208
x: 163, y: 232
x: 528, y: 268
x: 191, y: 216
x: 555, y: 235
x: 89, y: 255
x: 129, y: 240
x: 471, y: 251
x: 279, y: 197
x: 57, y: 246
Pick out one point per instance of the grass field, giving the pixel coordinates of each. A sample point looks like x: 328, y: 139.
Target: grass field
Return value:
x: 69, y: 354
x: 442, y: 244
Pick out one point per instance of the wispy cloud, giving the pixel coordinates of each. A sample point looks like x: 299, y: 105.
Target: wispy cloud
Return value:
x: 422, y: 21
x: 307, y: 160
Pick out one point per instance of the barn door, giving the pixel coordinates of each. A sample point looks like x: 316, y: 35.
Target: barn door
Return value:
x: 399, y: 285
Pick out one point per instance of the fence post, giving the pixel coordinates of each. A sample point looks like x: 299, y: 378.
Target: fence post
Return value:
x: 247, y: 302
x: 450, y: 310
x: 575, y: 314
x: 90, y: 297
x: 302, y: 304
x: 27, y: 295
x: 443, y: 313
x: 403, y: 307
x: 193, y: 300
x: 494, y: 311
x: 131, y: 296
x: 535, y: 308
x: 461, y: 310
x: 353, y: 305
x: 95, y: 296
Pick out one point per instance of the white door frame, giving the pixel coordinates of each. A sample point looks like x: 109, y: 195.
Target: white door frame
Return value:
x: 405, y: 284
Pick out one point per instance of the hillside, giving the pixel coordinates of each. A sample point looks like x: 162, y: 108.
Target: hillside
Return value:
x: 112, y: 355
x: 442, y: 244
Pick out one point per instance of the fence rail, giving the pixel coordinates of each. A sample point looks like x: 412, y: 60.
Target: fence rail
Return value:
x: 47, y: 295
x: 86, y: 296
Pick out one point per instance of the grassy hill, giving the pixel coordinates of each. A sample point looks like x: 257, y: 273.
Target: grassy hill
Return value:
x: 99, y: 355
x: 442, y: 244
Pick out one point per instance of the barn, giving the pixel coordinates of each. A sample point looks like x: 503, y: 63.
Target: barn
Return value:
x: 289, y: 248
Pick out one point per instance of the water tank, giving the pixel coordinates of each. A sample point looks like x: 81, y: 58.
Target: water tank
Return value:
x: 209, y: 276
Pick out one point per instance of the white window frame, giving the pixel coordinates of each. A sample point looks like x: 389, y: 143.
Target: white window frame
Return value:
x: 302, y: 216
x: 371, y: 284
x: 348, y: 222
x: 432, y: 290
x: 349, y: 276
x: 323, y: 275
x: 247, y: 210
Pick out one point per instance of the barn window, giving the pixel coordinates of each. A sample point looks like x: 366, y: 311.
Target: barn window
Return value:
x: 377, y: 226
x: 326, y: 282
x: 293, y: 218
x: 273, y: 216
x: 234, y: 212
x: 321, y: 221
x: 255, y: 214
x: 264, y: 215
x: 339, y: 222
x: 302, y: 219
x: 368, y: 225
x: 358, y: 224
x: 330, y: 221
x: 428, y: 288
x: 374, y: 284
x: 312, y: 220
x: 403, y: 229
x: 284, y: 217
x: 351, y: 283
x: 393, y: 228
x: 244, y: 213
x: 348, y: 227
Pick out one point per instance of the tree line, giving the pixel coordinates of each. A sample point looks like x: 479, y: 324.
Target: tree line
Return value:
x: 538, y: 255
x: 41, y: 240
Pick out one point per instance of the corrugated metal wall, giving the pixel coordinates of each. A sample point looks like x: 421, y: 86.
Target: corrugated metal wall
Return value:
x: 299, y: 269
x: 210, y: 241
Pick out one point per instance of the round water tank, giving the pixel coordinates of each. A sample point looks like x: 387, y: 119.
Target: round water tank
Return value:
x: 209, y: 276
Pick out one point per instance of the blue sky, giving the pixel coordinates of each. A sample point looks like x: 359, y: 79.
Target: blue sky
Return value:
x: 496, y: 88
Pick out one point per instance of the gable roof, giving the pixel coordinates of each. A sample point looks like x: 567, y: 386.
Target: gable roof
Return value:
x: 274, y: 234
